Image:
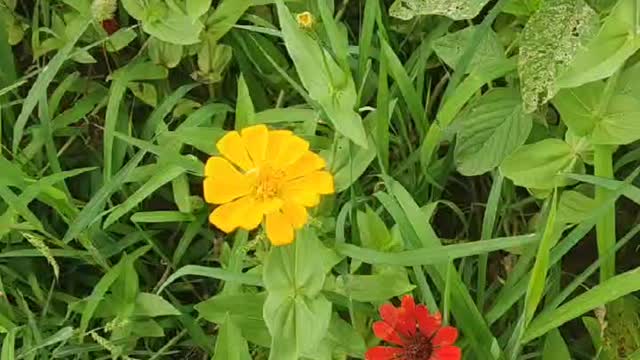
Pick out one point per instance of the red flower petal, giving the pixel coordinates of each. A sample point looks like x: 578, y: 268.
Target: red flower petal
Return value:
x: 389, y: 314
x: 428, y: 323
x: 445, y: 336
x: 383, y: 353
x: 446, y: 353
x: 387, y: 333
x: 406, y: 324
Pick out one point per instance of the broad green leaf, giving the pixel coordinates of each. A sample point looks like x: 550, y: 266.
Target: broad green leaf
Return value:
x: 197, y: 8
x: 491, y: 128
x: 550, y: 41
x: 227, y: 13
x: 574, y: 207
x: 328, y: 84
x: 174, y: 27
x: 455, y: 9
x: 147, y: 328
x: 120, y: 39
x: 555, y: 348
x: 616, y: 41
x: 164, y: 53
x: 344, y: 337
x: 213, y: 59
x: 152, y: 305
x: 145, y: 92
x: 230, y: 344
x: 451, y: 47
x: 374, y: 233
x: 135, y: 8
x: 612, y: 123
x: 244, y: 309
x: 542, y: 165
x: 349, y: 162
x: 606, y: 292
x: 374, y: 288
x: 294, y: 276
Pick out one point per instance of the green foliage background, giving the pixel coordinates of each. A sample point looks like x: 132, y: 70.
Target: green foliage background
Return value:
x: 485, y: 155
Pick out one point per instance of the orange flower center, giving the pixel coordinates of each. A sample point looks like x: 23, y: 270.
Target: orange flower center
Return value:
x: 268, y: 182
x: 418, y: 347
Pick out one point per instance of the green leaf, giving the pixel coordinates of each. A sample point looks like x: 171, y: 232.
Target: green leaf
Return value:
x: 227, y: 13
x: 451, y: 47
x: 374, y: 288
x: 244, y: 309
x: 616, y: 41
x: 197, y: 8
x: 327, y: 83
x: 147, y: 328
x: 555, y: 348
x: 214, y: 273
x: 164, y: 173
x: 245, y: 112
x: 135, y: 8
x: 606, y: 292
x: 574, y: 207
x: 120, y: 39
x: 8, y: 346
x: 145, y: 92
x: 44, y: 79
x: 175, y: 28
x: 230, y: 344
x: 542, y: 165
x: 538, y: 278
x: 293, y: 277
x: 432, y: 255
x: 612, y: 123
x: 456, y: 9
x: 164, y: 53
x: 550, y: 41
x: 152, y: 305
x: 491, y: 128
x: 161, y: 217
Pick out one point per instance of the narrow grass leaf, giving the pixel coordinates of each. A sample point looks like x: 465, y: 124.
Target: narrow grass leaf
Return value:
x: 214, y: 273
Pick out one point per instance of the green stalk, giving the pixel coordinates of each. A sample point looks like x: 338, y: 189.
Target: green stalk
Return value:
x: 606, y: 226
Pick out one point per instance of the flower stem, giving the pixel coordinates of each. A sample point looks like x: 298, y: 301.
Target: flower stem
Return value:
x: 606, y: 225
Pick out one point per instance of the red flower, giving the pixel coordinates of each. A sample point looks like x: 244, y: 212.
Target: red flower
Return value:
x: 419, y: 334
x: 110, y: 26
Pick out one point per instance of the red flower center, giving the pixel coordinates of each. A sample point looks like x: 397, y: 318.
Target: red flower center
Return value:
x: 418, y: 347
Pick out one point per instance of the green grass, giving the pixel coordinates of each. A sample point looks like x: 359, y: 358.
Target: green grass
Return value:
x: 524, y: 241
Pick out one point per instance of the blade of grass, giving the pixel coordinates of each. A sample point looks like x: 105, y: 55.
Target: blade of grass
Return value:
x: 214, y: 273
x: 44, y: 79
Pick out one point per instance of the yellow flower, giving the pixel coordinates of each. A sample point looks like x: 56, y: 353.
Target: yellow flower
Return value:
x: 264, y: 174
x: 305, y: 20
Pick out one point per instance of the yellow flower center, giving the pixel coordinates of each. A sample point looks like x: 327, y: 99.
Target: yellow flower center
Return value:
x: 305, y: 19
x: 268, y: 182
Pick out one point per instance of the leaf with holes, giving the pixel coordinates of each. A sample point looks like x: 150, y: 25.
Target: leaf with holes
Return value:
x: 455, y: 9
x: 550, y: 41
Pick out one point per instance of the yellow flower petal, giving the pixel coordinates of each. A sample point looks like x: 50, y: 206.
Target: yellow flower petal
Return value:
x: 308, y: 163
x: 232, y: 147
x: 277, y: 139
x: 304, y: 197
x: 279, y: 229
x: 255, y: 139
x: 252, y: 217
x: 221, y: 168
x: 269, y: 205
x: 292, y: 149
x: 296, y: 213
x: 320, y: 182
x: 221, y: 190
x: 229, y: 216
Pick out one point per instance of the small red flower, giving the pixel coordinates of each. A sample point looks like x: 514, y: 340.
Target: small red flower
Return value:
x: 419, y: 334
x: 110, y: 26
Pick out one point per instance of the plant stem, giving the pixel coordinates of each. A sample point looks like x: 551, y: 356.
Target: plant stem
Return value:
x: 605, y: 227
